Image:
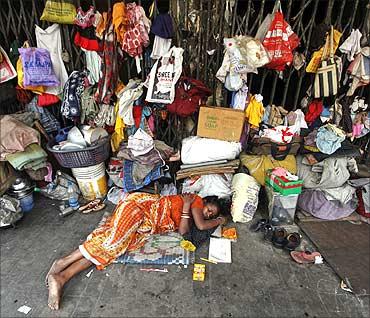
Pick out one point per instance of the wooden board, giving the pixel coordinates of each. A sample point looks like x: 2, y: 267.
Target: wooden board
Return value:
x: 303, y: 216
x: 345, y: 247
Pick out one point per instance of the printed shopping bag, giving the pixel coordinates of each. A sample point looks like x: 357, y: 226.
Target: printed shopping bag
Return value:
x: 7, y: 71
x: 280, y: 41
x: 37, y: 67
x: 164, y: 76
x: 59, y: 11
x: 327, y: 76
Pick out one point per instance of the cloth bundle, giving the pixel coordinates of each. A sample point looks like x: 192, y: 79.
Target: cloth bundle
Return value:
x: 33, y: 157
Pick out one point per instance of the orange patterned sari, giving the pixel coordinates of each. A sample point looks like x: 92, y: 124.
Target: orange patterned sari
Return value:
x: 135, y: 218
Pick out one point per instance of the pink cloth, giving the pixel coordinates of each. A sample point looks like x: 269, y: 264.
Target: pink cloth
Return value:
x: 357, y: 129
x: 15, y: 136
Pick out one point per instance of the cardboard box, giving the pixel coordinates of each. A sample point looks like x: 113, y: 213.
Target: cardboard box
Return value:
x: 220, y: 123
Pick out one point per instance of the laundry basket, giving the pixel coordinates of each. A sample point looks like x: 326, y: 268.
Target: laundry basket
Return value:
x: 89, y: 156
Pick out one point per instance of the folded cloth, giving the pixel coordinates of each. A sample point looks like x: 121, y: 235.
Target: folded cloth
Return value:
x: 15, y: 136
x: 32, y: 153
x: 128, y: 177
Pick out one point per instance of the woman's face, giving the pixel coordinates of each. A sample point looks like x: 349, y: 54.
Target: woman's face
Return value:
x: 210, y: 211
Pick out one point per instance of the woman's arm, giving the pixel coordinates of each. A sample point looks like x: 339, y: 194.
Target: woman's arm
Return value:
x: 203, y: 224
x: 185, y: 222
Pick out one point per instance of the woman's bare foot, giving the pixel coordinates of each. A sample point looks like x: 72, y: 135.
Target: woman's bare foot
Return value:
x: 55, y: 291
x: 55, y: 268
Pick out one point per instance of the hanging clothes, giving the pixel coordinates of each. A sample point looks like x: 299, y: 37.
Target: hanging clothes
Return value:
x: 93, y: 65
x: 359, y: 70
x: 352, y: 46
x: 119, y: 20
x: 85, y: 32
x: 51, y: 39
x: 255, y: 110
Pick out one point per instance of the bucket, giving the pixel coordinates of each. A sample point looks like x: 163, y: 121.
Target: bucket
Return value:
x: 27, y: 203
x: 91, y: 181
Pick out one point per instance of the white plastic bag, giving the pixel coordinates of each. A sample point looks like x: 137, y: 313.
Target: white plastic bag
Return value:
x: 164, y: 76
x: 196, y: 149
x: 210, y: 184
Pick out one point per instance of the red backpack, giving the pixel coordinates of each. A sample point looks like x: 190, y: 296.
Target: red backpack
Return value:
x: 189, y: 95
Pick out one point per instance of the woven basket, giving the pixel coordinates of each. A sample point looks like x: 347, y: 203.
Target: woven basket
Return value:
x: 82, y: 157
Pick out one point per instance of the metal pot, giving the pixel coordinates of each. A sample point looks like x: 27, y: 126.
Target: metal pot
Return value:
x: 20, y: 188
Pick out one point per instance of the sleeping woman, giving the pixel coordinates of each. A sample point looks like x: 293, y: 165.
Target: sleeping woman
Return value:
x: 135, y: 218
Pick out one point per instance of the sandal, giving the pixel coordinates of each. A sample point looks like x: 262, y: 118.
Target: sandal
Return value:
x: 96, y: 208
x: 305, y: 257
x: 90, y: 205
x: 255, y: 227
x: 267, y: 231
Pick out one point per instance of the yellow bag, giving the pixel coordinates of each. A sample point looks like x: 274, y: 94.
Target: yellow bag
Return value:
x: 35, y: 89
x: 59, y: 11
x: 316, y: 56
x: 257, y: 165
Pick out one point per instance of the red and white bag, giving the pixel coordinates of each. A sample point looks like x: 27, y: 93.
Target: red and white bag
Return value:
x: 280, y: 41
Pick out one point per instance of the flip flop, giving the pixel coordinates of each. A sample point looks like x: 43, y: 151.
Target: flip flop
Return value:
x: 293, y: 240
x: 90, y: 205
x: 305, y: 257
x: 96, y: 208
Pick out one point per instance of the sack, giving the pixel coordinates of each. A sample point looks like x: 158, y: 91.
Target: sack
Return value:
x: 279, y: 151
x: 245, y: 197
x: 190, y: 94
x: 327, y: 76
x: 164, y: 76
x: 258, y: 165
x: 280, y: 41
x: 276, y: 116
x: 37, y: 67
x: 59, y: 11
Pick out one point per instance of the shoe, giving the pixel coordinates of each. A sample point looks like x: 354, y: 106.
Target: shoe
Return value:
x: 279, y: 237
x: 293, y: 240
x: 255, y: 227
x: 267, y: 231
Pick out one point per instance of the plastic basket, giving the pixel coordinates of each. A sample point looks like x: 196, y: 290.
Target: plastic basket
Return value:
x: 89, y: 156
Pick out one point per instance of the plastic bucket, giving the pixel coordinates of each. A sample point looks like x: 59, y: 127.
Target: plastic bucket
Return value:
x: 27, y: 202
x: 91, y: 181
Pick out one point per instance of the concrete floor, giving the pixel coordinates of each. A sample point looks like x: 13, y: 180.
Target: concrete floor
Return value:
x: 262, y: 281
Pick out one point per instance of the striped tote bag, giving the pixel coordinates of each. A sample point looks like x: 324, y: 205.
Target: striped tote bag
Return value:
x: 327, y: 76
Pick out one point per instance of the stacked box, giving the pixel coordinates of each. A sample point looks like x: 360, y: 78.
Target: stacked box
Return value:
x: 283, y: 185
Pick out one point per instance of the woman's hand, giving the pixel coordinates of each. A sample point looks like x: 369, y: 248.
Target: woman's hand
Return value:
x: 188, y: 199
x: 223, y: 219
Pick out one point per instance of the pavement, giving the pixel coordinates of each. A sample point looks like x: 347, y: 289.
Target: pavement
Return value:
x: 262, y: 281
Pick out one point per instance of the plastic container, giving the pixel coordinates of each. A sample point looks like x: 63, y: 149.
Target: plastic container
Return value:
x: 86, y: 157
x: 91, y: 181
x: 72, y: 197
x: 27, y: 202
x: 281, y: 207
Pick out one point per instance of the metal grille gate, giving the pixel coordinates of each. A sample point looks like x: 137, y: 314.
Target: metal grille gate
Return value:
x: 201, y: 26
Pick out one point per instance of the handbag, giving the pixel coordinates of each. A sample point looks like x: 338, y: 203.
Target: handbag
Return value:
x: 327, y: 76
x: 189, y: 95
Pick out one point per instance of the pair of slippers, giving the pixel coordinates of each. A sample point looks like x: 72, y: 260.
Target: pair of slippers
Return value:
x: 93, y: 206
x: 278, y: 236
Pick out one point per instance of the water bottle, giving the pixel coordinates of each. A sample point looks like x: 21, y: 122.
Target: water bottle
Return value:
x: 72, y: 197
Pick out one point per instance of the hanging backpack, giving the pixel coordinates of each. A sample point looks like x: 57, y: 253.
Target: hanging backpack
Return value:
x: 280, y: 41
x: 189, y: 95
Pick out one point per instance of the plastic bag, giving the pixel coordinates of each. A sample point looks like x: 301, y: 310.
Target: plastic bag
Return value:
x: 7, y: 71
x: 37, y: 67
x: 58, y: 189
x: 59, y: 11
x: 280, y: 41
x: 164, y: 76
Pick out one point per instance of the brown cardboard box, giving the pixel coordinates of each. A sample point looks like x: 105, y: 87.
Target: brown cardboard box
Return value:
x: 220, y: 123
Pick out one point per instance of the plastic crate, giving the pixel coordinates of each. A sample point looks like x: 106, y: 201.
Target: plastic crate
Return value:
x: 89, y: 156
x: 281, y: 207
